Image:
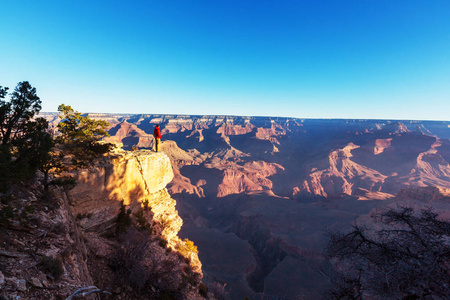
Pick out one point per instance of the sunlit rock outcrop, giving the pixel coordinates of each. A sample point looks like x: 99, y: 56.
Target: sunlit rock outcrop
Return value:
x: 134, y: 178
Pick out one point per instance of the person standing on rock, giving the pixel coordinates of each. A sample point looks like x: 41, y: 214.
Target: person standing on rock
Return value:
x: 157, y: 135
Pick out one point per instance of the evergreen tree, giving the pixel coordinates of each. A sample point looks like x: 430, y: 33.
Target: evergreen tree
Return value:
x: 80, y: 134
x: 24, y: 141
x: 16, y: 113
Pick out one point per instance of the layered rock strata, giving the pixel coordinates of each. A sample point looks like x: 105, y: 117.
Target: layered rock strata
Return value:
x: 134, y: 177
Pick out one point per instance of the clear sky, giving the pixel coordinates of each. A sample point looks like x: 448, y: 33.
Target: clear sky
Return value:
x: 308, y: 59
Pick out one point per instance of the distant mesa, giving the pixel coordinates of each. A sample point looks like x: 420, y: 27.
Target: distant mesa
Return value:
x: 395, y: 127
x: 297, y: 158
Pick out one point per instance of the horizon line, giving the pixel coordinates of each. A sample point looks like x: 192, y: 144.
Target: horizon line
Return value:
x: 249, y: 116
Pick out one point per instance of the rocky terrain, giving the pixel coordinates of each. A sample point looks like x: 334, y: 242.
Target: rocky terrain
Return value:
x: 75, y: 237
x: 257, y: 193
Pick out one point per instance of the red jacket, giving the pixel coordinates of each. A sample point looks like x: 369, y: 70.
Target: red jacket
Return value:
x: 157, y: 133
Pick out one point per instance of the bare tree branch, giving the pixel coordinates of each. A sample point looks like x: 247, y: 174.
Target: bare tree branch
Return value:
x: 85, y: 291
x: 409, y: 256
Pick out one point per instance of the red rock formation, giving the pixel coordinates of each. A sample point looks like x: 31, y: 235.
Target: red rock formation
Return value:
x: 340, y: 175
x: 426, y: 194
x: 271, y: 133
x: 380, y: 145
x: 250, y: 177
x: 374, y: 170
x: 130, y: 135
x: 197, y: 134
x: 229, y: 129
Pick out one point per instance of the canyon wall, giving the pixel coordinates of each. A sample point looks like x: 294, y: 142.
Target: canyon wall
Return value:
x: 77, y: 228
x: 136, y: 178
x: 256, y: 194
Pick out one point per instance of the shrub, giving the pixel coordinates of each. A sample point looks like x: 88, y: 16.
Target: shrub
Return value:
x: 123, y: 219
x: 163, y: 242
x: 190, y: 279
x: 51, y: 266
x: 141, y: 220
x: 6, y: 214
x: 165, y: 223
x: 145, y: 205
x: 81, y: 134
x: 101, y: 148
x: 219, y: 290
x: 185, y: 248
x: 137, y: 263
x: 203, y: 290
x: 66, y: 182
x: 190, y: 246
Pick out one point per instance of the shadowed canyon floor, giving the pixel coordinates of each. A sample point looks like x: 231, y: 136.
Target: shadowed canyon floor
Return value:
x: 256, y: 193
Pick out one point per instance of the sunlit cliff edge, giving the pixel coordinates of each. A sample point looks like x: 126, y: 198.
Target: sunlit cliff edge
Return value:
x: 131, y: 177
x: 79, y: 230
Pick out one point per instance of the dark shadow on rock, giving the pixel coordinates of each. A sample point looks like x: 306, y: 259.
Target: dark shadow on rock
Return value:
x: 213, y: 178
x: 129, y: 142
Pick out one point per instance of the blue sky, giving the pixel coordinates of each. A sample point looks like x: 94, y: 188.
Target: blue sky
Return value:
x: 307, y: 59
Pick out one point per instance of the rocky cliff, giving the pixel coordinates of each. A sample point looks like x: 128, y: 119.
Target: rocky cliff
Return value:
x: 42, y: 250
x: 135, y: 178
x: 146, y: 259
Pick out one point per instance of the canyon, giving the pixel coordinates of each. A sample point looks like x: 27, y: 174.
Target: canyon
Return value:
x: 257, y: 194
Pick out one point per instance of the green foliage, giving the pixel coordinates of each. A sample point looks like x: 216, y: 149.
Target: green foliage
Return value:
x: 79, y: 138
x: 15, y: 114
x: 24, y: 142
x: 32, y: 147
x: 54, y: 164
x: 186, y: 247
x: 141, y: 220
x: 3, y: 92
x: 5, y: 167
x: 190, y: 246
x: 123, y: 219
x: 81, y: 134
x: 51, y: 266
